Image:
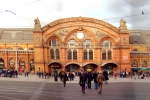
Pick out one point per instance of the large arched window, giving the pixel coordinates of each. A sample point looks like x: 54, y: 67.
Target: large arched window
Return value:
x: 91, y: 54
x: 85, y: 54
x: 54, y: 43
x: 109, y: 55
x: 106, y: 44
x: 74, y: 54
x: 69, y: 54
x: 57, y: 54
x: 104, y: 54
x: 88, y: 44
x: 144, y: 63
x: 72, y: 44
x: 134, y: 63
x: 52, y: 53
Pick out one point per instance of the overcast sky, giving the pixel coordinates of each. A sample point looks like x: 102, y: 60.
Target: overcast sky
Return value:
x: 21, y: 13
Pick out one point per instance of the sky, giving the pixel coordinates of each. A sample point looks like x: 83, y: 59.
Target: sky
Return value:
x: 21, y: 13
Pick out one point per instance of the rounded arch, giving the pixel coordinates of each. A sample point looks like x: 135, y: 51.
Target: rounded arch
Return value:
x: 72, y: 63
x: 85, y: 31
x: 90, y: 67
x: 2, y: 63
x: 111, y: 38
x: 72, y: 67
x: 79, y: 21
x: 51, y: 36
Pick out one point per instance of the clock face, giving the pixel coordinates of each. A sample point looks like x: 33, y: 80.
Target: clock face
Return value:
x: 37, y: 39
x: 80, y: 35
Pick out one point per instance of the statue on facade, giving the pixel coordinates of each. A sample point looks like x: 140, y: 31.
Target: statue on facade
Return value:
x: 123, y: 27
x: 37, y: 25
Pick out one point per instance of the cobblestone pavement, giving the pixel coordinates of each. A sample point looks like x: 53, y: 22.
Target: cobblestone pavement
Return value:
x: 35, y: 88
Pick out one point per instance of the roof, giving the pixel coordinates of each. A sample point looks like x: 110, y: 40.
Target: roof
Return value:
x: 139, y: 37
x: 16, y: 35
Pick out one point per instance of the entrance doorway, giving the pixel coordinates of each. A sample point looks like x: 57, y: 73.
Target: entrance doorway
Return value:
x: 72, y: 68
x: 90, y: 67
x: 54, y: 66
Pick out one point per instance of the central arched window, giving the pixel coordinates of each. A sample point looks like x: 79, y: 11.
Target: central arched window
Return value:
x: 106, y: 50
x: 88, y: 44
x: 72, y: 44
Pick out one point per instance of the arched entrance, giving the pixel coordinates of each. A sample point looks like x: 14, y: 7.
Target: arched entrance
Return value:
x: 90, y: 67
x: 54, y: 66
x: 22, y: 66
x: 1, y: 63
x: 12, y: 64
x: 109, y: 67
x: 72, y: 67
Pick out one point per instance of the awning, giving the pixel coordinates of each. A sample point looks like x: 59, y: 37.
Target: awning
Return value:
x: 140, y: 68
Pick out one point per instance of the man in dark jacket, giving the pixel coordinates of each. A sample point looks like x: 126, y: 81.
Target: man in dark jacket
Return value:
x: 105, y: 73
x: 89, y: 79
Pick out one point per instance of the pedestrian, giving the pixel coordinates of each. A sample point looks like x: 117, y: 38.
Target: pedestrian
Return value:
x: 115, y: 75
x: 95, y: 74
x: 83, y: 82
x: 100, y: 79
x: 64, y: 78
x: 89, y: 79
x: 105, y: 73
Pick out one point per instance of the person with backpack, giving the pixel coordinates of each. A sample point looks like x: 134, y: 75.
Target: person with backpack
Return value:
x: 100, y: 79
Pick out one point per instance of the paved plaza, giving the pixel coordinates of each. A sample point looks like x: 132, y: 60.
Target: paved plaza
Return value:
x: 35, y: 88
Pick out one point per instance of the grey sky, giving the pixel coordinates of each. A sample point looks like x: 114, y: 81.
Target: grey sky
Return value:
x: 23, y: 12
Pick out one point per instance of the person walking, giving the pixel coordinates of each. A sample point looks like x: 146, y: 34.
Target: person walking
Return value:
x: 82, y: 82
x: 95, y: 74
x: 64, y: 78
x: 89, y: 79
x: 105, y: 73
x: 100, y: 79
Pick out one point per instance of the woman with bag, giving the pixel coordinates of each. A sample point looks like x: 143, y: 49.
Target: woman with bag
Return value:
x: 100, y: 79
x: 82, y: 82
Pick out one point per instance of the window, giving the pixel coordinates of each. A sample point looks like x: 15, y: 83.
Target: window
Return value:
x: 104, y: 54
x: 72, y: 44
x: 88, y: 44
x: 52, y: 53
x: 144, y: 64
x: 85, y: 54
x: 69, y: 54
x: 91, y: 54
x: 74, y: 54
x: 57, y: 54
x: 134, y: 63
x: 109, y: 55
x: 54, y: 43
x: 106, y: 44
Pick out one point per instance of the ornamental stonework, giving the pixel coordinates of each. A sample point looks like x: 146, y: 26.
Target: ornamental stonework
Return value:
x: 84, y: 21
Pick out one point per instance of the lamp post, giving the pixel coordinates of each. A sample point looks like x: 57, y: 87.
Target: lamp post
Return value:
x: 80, y: 36
x: 16, y: 58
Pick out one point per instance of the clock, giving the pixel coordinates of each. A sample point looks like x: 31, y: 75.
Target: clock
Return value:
x: 37, y: 39
x: 80, y: 35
